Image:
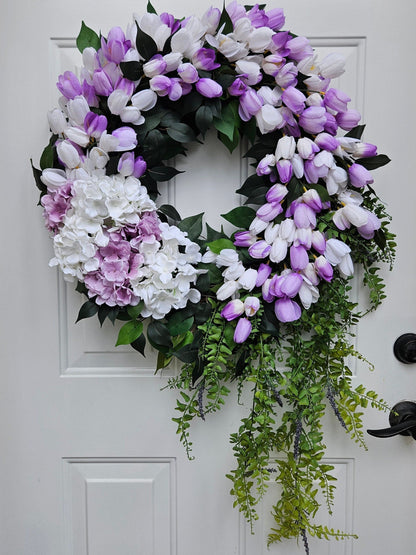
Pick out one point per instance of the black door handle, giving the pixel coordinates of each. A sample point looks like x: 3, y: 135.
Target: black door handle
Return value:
x: 402, y: 420
x: 405, y: 348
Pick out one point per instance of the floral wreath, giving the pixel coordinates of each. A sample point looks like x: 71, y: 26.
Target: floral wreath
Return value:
x: 266, y: 307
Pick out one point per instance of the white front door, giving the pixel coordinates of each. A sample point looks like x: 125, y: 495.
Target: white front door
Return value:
x: 90, y: 463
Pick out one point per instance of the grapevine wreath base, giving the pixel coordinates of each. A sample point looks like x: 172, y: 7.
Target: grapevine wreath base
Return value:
x: 266, y: 307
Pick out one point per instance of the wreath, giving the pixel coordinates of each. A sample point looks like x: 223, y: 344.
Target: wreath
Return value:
x: 266, y: 308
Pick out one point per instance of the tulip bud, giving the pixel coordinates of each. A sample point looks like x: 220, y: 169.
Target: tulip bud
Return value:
x: 233, y: 309
x: 242, y: 330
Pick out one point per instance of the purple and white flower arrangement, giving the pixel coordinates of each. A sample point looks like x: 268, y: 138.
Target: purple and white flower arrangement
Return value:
x: 227, y: 306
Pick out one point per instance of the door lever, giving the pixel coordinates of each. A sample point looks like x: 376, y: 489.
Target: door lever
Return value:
x: 402, y: 420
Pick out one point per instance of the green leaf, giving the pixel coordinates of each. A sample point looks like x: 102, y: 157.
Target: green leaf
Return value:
x: 231, y: 145
x: 179, y: 325
x: 163, y: 173
x: 241, y: 217
x: 158, y: 335
x: 252, y: 183
x: 129, y: 332
x: 374, y: 162
x: 229, y: 120
x: 213, y: 234
x: 150, y: 8
x: 145, y: 45
x: 132, y: 70
x: 46, y: 160
x: 181, y: 132
x: 295, y: 189
x: 220, y: 244
x: 86, y: 38
x: 356, y: 132
x: 204, y: 118
x: 170, y: 211
x: 87, y: 310
x: 192, y: 225
x: 36, y: 174
x: 139, y: 344
x: 135, y: 311
x: 226, y: 21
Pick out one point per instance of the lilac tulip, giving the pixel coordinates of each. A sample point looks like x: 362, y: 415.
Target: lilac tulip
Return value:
x: 211, y: 19
x: 244, y: 239
x: 204, y: 58
x: 264, y: 166
x: 348, y: 120
x: 299, y: 48
x: 275, y: 18
x: 169, y: 20
x: 116, y: 45
x: 140, y: 166
x: 188, y: 73
x: 294, y: 99
x: 336, y: 100
x: 237, y: 88
x: 272, y: 64
x: 127, y: 139
x: 331, y: 125
x: 318, y: 241
x: 95, y: 125
x: 299, y: 258
x: 285, y: 170
x: 242, y: 330
x: 363, y: 150
x: 250, y: 104
x: 312, y: 199
x: 276, y: 193
x: 287, y: 310
x: 160, y: 84
x: 89, y: 93
x: 287, y: 284
x: 313, y: 119
x: 259, y: 250
x: 367, y: 230
x: 303, y: 215
x: 233, y: 309
x: 251, y: 306
x: 287, y: 75
x: 307, y: 148
x: 102, y: 83
x: 155, y: 66
x: 263, y: 273
x: 69, y: 85
x: 208, y: 88
x: 359, y: 176
x: 323, y: 268
x: 266, y: 293
x: 269, y: 211
x: 326, y: 141
x: 125, y: 165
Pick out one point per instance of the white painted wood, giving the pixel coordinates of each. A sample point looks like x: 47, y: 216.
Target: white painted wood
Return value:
x: 74, y: 410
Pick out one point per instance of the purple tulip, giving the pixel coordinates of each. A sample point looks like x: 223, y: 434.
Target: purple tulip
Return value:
x: 89, y: 93
x: 318, y: 241
x: 266, y: 293
x: 325, y: 141
x: 250, y: 104
x: 263, y: 273
x: 233, y: 309
x: 348, y: 120
x: 287, y: 310
x: 313, y: 119
x: 323, y: 268
x: 237, y: 88
x: 269, y: 211
x: 244, y: 239
x: 299, y: 258
x: 331, y: 125
x: 312, y: 199
x: 336, y: 100
x: 242, y: 330
x: 161, y: 85
x: 285, y: 170
x: 276, y: 193
x: 287, y: 75
x: 188, y: 73
x: 367, y: 230
x: 359, y: 176
x: 127, y: 139
x: 102, y: 83
x: 116, y: 45
x: 299, y: 48
x: 95, y: 125
x: 275, y: 18
x: 140, y: 166
x: 259, y: 250
x: 169, y: 20
x: 208, y: 88
x: 155, y: 66
x: 294, y: 99
x: 364, y: 150
x: 289, y: 285
x: 204, y: 58
x: 69, y: 85
x: 257, y: 17
x: 303, y: 215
